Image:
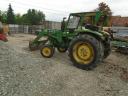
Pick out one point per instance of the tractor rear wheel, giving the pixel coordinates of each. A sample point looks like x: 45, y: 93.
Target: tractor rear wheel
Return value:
x: 33, y: 46
x: 62, y: 50
x: 47, y: 51
x: 85, y: 51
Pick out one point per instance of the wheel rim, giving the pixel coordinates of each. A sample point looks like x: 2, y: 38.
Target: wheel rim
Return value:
x: 46, y: 51
x: 83, y: 53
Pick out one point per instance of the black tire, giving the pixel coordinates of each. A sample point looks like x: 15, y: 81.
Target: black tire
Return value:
x: 62, y: 50
x: 33, y: 46
x: 96, y: 47
x: 47, y: 51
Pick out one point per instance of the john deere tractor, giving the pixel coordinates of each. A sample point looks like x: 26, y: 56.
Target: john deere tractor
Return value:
x: 82, y: 37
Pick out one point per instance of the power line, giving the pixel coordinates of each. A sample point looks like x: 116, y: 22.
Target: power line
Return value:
x: 48, y: 11
x: 59, y: 11
x: 45, y: 11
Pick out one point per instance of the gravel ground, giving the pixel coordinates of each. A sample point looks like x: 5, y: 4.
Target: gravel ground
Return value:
x: 25, y: 73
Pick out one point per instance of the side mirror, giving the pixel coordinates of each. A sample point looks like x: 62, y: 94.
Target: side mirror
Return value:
x: 64, y: 18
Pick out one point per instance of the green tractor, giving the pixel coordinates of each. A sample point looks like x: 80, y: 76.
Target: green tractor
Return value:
x: 81, y: 36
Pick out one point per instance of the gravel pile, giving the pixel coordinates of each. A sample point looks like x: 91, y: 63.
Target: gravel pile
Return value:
x: 28, y: 74
x: 22, y: 74
x: 19, y: 73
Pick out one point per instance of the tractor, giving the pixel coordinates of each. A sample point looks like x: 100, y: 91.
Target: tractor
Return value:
x: 81, y: 36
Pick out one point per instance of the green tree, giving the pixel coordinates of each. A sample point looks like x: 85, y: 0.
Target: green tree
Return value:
x: 104, y: 8
x: 33, y: 17
x: 0, y: 12
x: 10, y: 15
x: 19, y: 19
x: 3, y: 15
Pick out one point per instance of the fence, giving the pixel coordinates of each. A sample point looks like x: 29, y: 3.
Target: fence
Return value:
x: 120, y: 31
x: 31, y: 29
x: 18, y: 28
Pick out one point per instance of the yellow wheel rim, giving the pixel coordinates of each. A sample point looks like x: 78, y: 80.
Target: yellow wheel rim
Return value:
x: 83, y: 53
x: 46, y: 51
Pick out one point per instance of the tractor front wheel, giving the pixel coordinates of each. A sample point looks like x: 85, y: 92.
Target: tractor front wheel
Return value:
x: 47, y: 51
x: 85, y: 51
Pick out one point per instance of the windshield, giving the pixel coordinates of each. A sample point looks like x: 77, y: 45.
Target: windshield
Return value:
x: 73, y: 22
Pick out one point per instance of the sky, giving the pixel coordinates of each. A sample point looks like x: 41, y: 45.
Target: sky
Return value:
x: 55, y: 10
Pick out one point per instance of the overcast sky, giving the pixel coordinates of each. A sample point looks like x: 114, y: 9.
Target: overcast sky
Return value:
x: 55, y: 10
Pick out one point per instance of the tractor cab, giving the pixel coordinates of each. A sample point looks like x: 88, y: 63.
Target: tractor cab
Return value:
x: 73, y: 22
x: 88, y: 20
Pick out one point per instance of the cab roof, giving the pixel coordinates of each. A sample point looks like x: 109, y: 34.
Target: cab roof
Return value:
x: 85, y: 13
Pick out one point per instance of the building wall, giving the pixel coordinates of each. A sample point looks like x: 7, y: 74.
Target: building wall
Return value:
x: 119, y: 21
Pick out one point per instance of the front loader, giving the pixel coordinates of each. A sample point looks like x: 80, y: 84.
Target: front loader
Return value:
x: 82, y: 37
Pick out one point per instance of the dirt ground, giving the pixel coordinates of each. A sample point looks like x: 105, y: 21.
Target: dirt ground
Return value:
x: 25, y: 73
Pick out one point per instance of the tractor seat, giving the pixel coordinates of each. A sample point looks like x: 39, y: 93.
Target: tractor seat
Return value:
x: 91, y: 27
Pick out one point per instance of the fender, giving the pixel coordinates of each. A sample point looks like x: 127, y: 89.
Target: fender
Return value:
x: 98, y: 35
